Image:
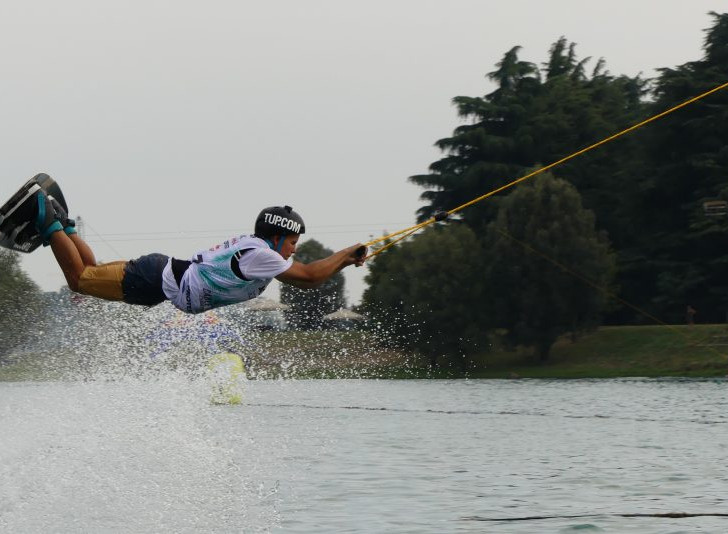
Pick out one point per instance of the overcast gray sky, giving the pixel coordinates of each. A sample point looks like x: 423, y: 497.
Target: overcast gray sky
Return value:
x: 170, y: 124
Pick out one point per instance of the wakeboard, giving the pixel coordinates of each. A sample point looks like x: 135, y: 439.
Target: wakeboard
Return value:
x: 17, y: 230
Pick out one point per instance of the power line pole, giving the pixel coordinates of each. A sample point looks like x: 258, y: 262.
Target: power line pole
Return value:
x: 80, y: 227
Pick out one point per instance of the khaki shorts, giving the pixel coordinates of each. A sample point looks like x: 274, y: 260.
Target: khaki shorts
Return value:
x: 103, y: 281
x: 137, y: 281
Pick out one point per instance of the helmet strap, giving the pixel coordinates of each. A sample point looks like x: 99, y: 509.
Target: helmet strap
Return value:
x: 281, y: 239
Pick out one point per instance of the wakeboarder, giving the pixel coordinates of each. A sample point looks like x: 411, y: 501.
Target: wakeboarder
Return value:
x: 236, y: 270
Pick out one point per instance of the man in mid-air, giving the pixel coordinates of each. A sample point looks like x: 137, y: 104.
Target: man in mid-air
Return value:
x: 235, y: 271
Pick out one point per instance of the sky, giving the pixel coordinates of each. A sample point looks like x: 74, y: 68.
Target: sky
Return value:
x: 171, y: 124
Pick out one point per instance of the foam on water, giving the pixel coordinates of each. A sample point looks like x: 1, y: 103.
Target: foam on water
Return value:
x: 116, y: 429
x: 125, y: 455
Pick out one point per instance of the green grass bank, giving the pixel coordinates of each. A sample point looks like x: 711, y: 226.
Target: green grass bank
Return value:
x: 619, y: 351
x: 609, y: 352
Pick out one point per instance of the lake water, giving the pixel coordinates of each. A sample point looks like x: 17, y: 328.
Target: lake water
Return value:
x: 364, y: 456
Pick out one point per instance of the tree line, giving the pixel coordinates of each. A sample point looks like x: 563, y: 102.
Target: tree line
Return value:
x: 546, y: 257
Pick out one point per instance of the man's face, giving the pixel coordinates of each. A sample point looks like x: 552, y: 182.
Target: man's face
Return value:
x: 289, y: 245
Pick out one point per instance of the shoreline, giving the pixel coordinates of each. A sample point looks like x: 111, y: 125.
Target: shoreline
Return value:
x: 699, y: 351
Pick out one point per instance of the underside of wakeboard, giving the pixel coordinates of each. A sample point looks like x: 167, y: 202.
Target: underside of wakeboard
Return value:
x: 17, y: 231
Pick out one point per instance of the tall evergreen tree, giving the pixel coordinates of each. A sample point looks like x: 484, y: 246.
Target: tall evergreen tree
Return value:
x: 535, y: 118
x: 484, y: 153
x: 677, y: 247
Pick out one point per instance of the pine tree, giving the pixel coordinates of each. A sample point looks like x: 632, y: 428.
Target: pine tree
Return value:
x: 489, y: 150
x: 680, y: 248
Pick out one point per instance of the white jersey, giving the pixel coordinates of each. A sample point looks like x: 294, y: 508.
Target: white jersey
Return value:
x: 234, y: 271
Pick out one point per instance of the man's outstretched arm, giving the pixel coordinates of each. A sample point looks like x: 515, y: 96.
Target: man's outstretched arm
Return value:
x: 310, y: 275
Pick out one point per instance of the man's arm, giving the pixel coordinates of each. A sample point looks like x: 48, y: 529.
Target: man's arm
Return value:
x: 310, y: 275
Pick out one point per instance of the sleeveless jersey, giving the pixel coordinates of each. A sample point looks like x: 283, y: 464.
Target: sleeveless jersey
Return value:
x: 234, y: 271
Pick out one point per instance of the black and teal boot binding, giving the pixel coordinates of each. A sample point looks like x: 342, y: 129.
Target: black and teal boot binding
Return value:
x: 26, y: 220
x: 69, y: 225
x: 46, y: 221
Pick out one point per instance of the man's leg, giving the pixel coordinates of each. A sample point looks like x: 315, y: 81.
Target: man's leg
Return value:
x: 69, y: 257
x: 87, y: 255
x: 107, y: 281
x: 69, y: 227
x: 78, y: 264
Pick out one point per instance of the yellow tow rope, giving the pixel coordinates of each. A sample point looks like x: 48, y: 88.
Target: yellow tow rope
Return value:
x: 402, y: 234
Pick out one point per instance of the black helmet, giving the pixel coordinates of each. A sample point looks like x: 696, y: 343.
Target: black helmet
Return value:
x: 278, y: 220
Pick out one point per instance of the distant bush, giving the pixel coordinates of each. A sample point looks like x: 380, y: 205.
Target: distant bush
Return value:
x: 20, y: 303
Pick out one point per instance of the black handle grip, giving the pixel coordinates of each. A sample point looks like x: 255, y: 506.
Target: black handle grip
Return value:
x: 361, y: 251
x: 441, y: 216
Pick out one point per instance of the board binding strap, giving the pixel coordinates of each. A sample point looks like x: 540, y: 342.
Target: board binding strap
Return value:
x: 17, y: 231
